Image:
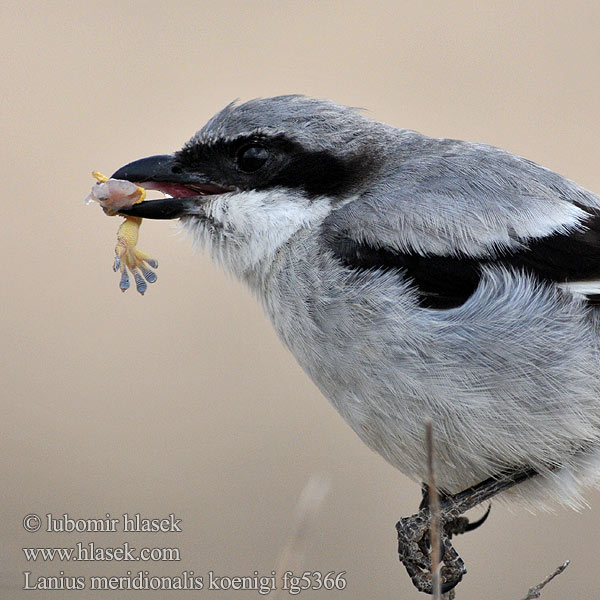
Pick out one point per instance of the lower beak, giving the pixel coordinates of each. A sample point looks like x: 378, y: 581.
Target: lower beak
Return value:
x: 164, y: 208
x: 161, y: 172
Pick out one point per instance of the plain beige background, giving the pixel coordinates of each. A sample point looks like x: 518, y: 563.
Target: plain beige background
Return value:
x: 183, y: 401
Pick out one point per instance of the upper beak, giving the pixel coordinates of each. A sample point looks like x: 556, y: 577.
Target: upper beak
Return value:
x: 162, y: 173
x: 161, y: 167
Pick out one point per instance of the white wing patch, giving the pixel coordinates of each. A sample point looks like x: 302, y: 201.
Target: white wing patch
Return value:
x: 581, y: 288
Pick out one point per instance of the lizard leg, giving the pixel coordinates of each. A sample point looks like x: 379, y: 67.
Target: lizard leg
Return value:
x: 129, y: 258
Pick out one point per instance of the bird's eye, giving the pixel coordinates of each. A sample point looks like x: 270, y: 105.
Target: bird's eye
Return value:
x: 252, y: 158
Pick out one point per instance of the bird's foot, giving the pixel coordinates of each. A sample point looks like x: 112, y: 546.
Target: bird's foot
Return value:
x: 414, y: 547
x: 414, y: 551
x: 457, y: 524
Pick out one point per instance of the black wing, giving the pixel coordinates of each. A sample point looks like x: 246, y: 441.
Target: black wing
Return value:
x: 448, y: 281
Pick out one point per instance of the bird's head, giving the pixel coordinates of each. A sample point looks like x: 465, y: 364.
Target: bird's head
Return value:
x: 259, y: 172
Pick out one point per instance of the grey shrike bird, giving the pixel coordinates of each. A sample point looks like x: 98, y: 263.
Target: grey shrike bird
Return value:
x: 412, y: 278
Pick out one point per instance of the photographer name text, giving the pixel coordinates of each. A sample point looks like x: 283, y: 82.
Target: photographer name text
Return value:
x: 135, y: 523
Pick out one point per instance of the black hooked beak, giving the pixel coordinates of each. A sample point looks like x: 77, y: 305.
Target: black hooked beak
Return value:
x: 163, y: 173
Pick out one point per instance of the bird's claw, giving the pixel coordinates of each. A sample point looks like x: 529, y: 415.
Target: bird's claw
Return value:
x: 463, y: 525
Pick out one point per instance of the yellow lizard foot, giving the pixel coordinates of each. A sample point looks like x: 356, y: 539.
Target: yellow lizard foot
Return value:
x: 128, y: 257
x: 114, y: 195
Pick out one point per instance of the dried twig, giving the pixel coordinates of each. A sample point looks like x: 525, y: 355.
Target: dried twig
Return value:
x: 536, y: 590
x: 435, y: 518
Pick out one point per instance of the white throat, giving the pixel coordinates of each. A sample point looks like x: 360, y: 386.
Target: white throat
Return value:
x: 242, y: 231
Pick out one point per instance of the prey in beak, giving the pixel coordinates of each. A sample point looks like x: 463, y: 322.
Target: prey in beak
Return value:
x: 186, y: 189
x: 124, y: 194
